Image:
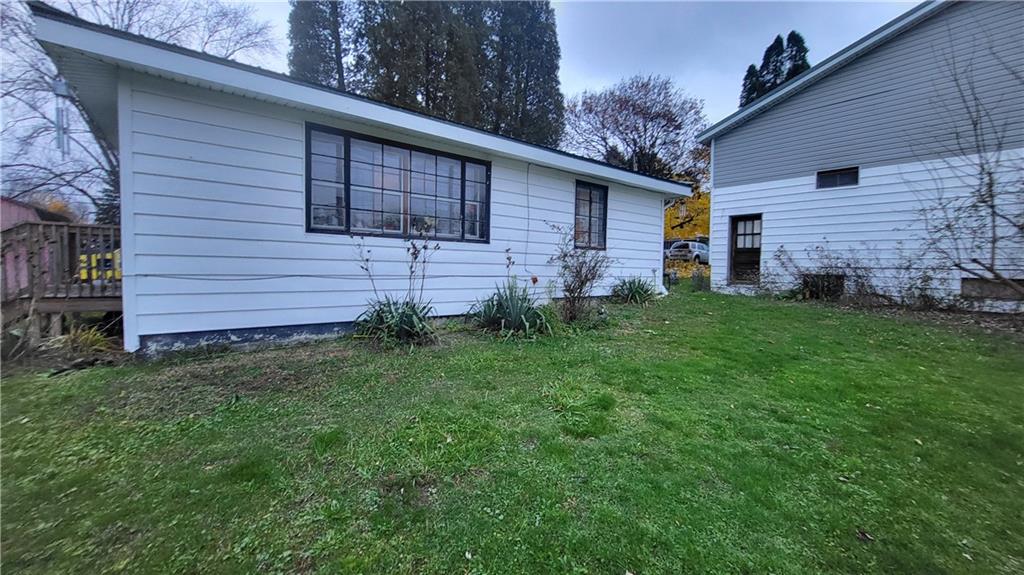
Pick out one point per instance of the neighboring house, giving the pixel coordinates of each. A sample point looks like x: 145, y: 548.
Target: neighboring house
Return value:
x: 15, y: 256
x: 854, y: 157
x: 14, y: 212
x: 245, y: 193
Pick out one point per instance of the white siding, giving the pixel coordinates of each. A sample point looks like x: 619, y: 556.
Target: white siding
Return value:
x: 878, y: 221
x: 896, y: 103
x: 215, y: 216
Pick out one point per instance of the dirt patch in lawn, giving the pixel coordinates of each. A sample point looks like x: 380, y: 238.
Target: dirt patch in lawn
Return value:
x: 407, y: 491
x: 196, y: 386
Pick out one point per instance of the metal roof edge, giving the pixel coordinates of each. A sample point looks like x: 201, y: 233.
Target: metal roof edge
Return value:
x: 825, y: 67
x: 44, y: 11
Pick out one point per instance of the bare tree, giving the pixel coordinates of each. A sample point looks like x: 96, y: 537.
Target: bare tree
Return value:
x: 644, y: 123
x: 972, y: 206
x: 89, y: 173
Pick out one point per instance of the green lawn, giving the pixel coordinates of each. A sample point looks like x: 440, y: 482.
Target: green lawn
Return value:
x: 703, y: 434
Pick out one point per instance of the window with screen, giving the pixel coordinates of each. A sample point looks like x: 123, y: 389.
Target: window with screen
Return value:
x: 591, y: 215
x: 362, y: 185
x: 838, y: 178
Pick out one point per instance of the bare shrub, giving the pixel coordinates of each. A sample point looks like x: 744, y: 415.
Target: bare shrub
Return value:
x: 579, y: 271
x: 972, y: 204
x: 853, y: 278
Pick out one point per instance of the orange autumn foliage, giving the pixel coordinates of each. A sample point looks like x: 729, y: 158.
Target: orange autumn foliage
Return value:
x: 690, y: 217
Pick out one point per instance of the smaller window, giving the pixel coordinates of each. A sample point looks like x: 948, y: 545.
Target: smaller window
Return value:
x: 838, y: 178
x: 591, y: 215
x: 976, y: 288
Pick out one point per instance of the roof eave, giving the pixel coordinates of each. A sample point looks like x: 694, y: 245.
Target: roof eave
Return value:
x: 153, y: 59
x: 824, y: 68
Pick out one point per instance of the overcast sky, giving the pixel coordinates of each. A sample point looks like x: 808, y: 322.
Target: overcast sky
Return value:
x: 704, y: 46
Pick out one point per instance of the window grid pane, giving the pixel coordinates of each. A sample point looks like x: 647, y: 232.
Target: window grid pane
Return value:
x: 591, y: 206
x: 394, y: 189
x: 838, y: 178
x: 748, y: 234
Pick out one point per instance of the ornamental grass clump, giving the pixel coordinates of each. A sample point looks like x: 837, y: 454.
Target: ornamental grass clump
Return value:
x: 389, y: 319
x: 510, y: 310
x: 634, y: 290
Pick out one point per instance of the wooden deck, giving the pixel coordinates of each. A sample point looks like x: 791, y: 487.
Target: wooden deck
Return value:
x: 57, y: 268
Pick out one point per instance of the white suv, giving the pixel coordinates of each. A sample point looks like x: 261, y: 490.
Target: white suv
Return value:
x: 688, y: 251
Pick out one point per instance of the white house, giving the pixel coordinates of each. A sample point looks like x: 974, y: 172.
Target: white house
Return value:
x: 245, y: 192
x: 859, y: 158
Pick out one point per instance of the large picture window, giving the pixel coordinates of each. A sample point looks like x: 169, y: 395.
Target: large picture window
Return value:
x: 591, y: 215
x: 363, y: 185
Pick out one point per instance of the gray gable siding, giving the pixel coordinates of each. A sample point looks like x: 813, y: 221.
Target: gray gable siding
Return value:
x: 897, y: 103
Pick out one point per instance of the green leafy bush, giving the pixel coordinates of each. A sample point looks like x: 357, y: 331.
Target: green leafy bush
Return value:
x: 634, y: 290
x: 390, y: 320
x: 510, y: 310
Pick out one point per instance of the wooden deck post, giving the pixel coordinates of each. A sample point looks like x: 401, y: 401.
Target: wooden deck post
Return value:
x: 56, y: 326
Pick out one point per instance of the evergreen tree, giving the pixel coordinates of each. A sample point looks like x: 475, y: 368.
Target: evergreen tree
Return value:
x: 425, y: 56
x: 108, y: 207
x: 488, y: 65
x: 773, y: 65
x: 321, y: 35
x: 335, y: 24
x: 796, y: 55
x: 752, y: 88
x: 524, y: 96
x: 464, y: 64
x: 781, y: 63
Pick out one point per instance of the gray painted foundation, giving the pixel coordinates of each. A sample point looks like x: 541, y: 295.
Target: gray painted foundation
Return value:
x: 157, y: 345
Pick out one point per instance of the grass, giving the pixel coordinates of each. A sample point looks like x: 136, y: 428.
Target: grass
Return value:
x: 703, y: 434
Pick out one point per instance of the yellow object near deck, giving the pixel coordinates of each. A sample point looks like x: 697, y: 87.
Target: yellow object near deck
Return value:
x: 101, y: 266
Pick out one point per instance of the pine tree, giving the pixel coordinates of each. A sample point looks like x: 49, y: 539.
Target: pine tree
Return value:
x: 306, y: 21
x: 335, y: 24
x: 464, y: 64
x: 796, y: 55
x: 108, y: 207
x: 321, y: 35
x: 488, y: 65
x: 423, y: 56
x: 773, y: 65
x: 752, y: 88
x: 394, y: 52
x: 781, y: 63
x: 524, y: 97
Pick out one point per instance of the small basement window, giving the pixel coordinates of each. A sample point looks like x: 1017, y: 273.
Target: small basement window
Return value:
x: 977, y: 288
x: 839, y: 178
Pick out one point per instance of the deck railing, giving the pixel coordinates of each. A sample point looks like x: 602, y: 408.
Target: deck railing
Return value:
x: 59, y: 260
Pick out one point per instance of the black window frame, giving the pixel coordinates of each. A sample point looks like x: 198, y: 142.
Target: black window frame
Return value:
x: 576, y: 215
x: 484, y: 220
x: 827, y: 179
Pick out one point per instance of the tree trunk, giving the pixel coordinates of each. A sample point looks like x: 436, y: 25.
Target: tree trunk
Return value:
x: 339, y: 55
